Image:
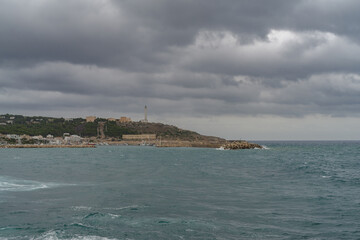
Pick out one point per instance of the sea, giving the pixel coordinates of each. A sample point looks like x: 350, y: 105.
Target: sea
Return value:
x: 289, y: 190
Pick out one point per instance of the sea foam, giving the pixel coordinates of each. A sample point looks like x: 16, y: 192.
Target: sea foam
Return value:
x: 20, y: 185
x: 55, y: 235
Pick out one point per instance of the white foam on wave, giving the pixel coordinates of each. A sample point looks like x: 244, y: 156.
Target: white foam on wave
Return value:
x: 122, y: 208
x: 53, y: 235
x: 20, y: 185
x: 81, y: 208
x: 220, y: 148
x: 113, y: 216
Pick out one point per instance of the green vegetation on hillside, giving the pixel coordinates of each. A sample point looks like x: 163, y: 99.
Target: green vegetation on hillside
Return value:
x: 43, y: 126
x: 34, y: 126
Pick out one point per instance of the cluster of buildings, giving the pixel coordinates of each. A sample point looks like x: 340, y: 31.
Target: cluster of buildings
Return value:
x: 4, y: 121
x: 9, y: 120
x: 67, y: 139
x: 122, y: 119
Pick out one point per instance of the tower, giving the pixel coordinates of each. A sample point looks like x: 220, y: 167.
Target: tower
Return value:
x: 145, y: 111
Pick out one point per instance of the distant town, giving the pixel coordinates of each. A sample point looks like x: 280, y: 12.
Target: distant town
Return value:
x: 20, y: 130
x: 67, y: 138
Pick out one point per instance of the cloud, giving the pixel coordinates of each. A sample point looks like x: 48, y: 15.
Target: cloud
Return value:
x: 182, y: 58
x: 282, y: 55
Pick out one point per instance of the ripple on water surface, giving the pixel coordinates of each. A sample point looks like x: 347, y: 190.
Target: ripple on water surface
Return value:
x: 293, y: 190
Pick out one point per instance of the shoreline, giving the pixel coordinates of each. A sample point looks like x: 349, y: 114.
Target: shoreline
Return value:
x: 169, y: 143
x: 233, y: 145
x: 46, y: 146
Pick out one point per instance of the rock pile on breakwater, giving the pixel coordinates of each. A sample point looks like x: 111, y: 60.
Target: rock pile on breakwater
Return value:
x: 241, y: 145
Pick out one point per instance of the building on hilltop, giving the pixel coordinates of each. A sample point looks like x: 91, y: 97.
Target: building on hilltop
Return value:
x: 111, y: 119
x: 124, y: 119
x: 90, y: 119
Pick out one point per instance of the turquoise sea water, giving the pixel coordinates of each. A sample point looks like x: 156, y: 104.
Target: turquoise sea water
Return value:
x: 293, y: 190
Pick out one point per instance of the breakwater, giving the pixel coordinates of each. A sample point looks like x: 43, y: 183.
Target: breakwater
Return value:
x: 231, y: 145
x: 170, y: 143
x: 235, y: 145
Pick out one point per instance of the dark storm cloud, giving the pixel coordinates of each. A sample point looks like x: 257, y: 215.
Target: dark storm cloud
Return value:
x: 339, y: 17
x: 283, y: 55
x: 241, y: 57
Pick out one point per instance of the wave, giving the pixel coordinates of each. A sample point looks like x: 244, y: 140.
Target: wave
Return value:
x: 87, y: 208
x: 21, y: 185
x: 131, y: 207
x: 55, y: 235
x: 223, y: 149
x: 81, y: 208
x: 97, y: 215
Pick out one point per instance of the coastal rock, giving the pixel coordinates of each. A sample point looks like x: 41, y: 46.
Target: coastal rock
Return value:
x: 241, y: 145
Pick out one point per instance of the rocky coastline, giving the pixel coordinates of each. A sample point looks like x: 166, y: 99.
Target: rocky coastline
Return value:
x: 236, y: 145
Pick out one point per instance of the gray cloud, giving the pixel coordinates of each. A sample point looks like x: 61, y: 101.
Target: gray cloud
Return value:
x: 196, y: 58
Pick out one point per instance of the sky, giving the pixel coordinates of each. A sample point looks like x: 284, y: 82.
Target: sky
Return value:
x: 238, y: 69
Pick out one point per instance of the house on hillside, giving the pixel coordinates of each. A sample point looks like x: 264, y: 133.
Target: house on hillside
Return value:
x: 124, y: 119
x: 90, y: 119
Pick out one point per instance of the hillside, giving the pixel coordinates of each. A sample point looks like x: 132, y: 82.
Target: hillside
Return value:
x: 34, y: 126
x: 165, y: 131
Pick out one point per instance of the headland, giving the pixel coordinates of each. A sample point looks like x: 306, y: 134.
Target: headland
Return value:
x: 17, y: 131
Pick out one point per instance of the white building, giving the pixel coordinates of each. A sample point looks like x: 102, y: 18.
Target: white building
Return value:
x: 49, y: 136
x: 38, y: 137
x: 13, y: 136
x: 55, y: 142
x: 73, y: 139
